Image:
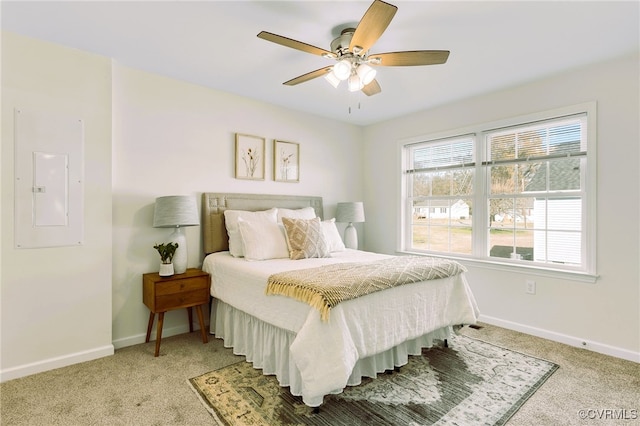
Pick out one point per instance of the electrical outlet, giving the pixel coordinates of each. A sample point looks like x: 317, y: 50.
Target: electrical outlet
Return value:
x: 531, y: 287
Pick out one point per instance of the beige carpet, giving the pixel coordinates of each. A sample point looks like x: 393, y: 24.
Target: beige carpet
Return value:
x: 134, y: 388
x: 470, y: 382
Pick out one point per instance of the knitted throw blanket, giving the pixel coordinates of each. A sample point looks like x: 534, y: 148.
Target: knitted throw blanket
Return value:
x: 326, y: 286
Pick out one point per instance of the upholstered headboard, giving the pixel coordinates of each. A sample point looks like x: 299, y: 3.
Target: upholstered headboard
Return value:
x: 214, y: 233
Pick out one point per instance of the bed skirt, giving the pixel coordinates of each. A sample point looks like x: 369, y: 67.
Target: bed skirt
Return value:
x: 267, y: 348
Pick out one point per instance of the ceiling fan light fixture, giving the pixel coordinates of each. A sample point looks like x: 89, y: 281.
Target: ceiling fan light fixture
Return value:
x: 332, y: 79
x: 350, y: 51
x: 366, y: 73
x: 355, y: 83
x: 342, y: 69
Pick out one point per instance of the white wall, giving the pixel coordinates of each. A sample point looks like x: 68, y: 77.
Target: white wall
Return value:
x: 173, y: 138
x: 145, y: 136
x: 604, y: 315
x: 56, y: 302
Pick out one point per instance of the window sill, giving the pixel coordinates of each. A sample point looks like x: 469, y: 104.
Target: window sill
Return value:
x: 532, y: 270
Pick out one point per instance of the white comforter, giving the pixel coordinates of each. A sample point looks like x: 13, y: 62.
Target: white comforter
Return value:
x: 326, y: 352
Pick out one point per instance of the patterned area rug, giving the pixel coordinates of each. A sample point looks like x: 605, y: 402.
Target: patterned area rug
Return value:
x: 469, y: 383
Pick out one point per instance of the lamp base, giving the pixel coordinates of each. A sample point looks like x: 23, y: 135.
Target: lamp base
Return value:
x: 180, y: 256
x: 351, y: 237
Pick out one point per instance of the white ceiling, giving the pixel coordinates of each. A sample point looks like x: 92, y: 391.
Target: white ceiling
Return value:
x: 213, y: 43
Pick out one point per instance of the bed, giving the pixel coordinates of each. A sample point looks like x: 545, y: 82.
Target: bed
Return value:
x: 314, y: 353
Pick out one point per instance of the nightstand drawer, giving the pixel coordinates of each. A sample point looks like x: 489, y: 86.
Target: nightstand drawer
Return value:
x: 183, y: 285
x: 183, y: 299
x: 161, y: 294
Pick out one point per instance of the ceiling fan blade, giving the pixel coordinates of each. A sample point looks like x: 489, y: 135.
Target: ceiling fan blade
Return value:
x: 375, y: 20
x: 294, y: 44
x: 410, y: 58
x: 308, y: 76
x: 371, y: 88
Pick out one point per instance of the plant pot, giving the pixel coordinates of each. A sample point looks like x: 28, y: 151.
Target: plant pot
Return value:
x: 166, y: 269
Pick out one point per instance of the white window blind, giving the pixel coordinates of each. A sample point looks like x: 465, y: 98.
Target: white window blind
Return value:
x: 439, y: 180
x: 536, y: 191
x: 519, y: 193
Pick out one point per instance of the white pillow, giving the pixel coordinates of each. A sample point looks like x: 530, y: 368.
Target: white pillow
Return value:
x: 231, y: 223
x: 332, y: 236
x: 303, y: 213
x: 263, y: 240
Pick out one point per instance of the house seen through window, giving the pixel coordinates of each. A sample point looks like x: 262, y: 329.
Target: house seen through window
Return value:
x: 517, y: 194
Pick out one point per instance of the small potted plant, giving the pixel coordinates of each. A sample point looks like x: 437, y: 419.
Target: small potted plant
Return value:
x: 166, y: 252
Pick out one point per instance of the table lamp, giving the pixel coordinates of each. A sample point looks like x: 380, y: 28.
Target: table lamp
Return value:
x: 350, y: 212
x: 176, y: 211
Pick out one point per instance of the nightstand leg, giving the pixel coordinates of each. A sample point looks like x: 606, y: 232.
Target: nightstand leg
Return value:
x: 190, y: 319
x: 159, y: 332
x: 201, y: 320
x: 151, y: 318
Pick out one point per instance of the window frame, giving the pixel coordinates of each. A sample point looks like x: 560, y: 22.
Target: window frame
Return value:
x: 585, y: 273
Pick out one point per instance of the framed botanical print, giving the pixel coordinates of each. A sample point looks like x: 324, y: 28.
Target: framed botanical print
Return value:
x: 250, y: 157
x: 286, y: 161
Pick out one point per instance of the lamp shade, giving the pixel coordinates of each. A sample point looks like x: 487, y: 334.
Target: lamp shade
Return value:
x: 350, y: 212
x: 354, y: 83
x: 366, y: 73
x: 342, y: 69
x: 175, y: 211
x: 332, y: 79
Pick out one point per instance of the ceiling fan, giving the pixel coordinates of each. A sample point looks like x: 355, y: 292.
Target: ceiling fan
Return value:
x: 351, y: 51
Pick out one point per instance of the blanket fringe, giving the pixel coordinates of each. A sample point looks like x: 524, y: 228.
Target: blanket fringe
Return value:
x: 302, y: 294
x: 326, y: 286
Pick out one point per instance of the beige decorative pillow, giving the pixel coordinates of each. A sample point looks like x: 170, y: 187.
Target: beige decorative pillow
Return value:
x: 305, y: 238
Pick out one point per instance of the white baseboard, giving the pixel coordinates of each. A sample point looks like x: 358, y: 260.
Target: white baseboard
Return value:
x: 563, y: 338
x: 53, y: 363
x: 166, y: 332
x: 70, y: 359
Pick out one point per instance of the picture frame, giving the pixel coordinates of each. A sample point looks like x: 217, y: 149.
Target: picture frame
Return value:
x: 286, y: 161
x: 250, y: 157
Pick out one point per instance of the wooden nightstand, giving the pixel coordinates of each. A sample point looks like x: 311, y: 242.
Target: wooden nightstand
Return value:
x: 162, y: 294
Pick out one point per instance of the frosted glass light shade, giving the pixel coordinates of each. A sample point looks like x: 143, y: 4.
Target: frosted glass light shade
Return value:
x: 354, y: 83
x: 366, y: 73
x: 342, y: 69
x: 332, y: 79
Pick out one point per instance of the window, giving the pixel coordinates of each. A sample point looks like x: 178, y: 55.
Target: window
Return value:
x: 520, y: 192
x: 440, y: 183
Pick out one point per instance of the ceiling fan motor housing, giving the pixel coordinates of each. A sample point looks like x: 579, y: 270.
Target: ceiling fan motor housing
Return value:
x: 340, y: 45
